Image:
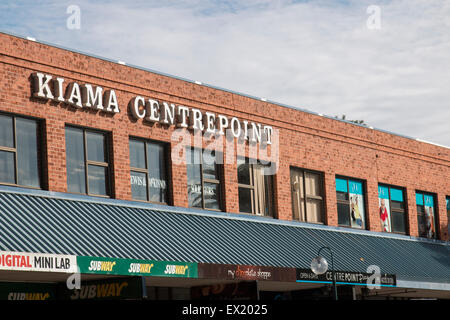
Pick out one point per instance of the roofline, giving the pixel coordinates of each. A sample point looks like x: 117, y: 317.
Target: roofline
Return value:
x: 216, y: 88
x: 207, y: 213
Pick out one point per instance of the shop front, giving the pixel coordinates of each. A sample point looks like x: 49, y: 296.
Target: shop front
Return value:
x: 143, y: 259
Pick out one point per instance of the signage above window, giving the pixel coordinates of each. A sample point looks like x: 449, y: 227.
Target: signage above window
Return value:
x: 86, y: 95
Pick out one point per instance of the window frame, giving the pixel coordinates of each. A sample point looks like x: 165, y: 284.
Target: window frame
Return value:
x: 348, y: 202
x: 405, y: 207
x: 251, y: 186
x: 219, y: 170
x: 447, y: 208
x: 309, y: 196
x: 145, y: 171
x: 435, y: 213
x: 39, y: 148
x: 87, y: 162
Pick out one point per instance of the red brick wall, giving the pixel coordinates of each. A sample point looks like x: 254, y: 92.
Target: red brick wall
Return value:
x: 306, y: 140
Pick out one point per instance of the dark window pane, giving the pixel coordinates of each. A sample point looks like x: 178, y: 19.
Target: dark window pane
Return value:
x: 343, y: 196
x: 397, y: 205
x: 97, y: 177
x: 7, y: 164
x: 27, y: 153
x: 212, y: 195
x: 343, y: 214
x: 420, y: 209
x: 138, y: 185
x: 268, y: 196
x: 137, y: 154
x: 156, y: 173
x: 6, y: 131
x: 243, y: 171
x: 421, y: 221
x: 95, y: 146
x: 398, y: 222
x: 76, y: 180
x: 195, y: 195
x: 245, y: 200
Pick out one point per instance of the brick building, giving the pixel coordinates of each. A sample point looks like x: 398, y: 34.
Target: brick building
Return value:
x: 108, y: 168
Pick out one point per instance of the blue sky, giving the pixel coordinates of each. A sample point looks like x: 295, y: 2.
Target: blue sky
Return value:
x: 316, y: 55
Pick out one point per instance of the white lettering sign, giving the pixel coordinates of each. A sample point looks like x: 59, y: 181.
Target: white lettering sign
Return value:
x: 150, y: 110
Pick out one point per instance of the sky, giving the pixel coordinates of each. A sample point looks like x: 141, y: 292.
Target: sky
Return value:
x: 384, y: 62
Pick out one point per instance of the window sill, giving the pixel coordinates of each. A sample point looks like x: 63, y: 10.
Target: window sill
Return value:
x: 19, y: 186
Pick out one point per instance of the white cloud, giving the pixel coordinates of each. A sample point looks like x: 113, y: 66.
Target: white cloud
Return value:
x: 318, y: 55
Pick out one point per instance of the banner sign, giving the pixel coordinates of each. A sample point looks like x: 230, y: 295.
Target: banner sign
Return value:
x: 27, y: 291
x: 346, y: 277
x: 243, y: 272
x: 117, y: 288
x: 130, y: 267
x: 24, y: 261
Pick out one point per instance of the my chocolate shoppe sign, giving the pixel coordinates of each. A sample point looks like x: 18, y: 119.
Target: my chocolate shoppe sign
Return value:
x: 245, y: 272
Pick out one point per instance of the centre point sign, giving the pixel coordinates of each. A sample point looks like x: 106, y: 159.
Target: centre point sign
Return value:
x: 86, y: 95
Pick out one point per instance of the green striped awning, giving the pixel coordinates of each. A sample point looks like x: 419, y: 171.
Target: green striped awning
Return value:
x: 48, y: 222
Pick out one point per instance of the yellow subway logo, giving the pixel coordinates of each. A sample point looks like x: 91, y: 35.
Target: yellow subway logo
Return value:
x: 106, y: 266
x: 176, y: 270
x: 140, y: 267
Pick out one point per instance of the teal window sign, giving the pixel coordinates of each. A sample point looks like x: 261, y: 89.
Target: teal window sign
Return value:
x: 341, y: 185
x: 396, y: 195
x: 419, y: 199
x: 355, y: 187
x: 383, y: 192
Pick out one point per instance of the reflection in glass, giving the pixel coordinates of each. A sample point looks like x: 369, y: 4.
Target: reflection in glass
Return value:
x: 195, y: 195
x: 7, y: 174
x: 27, y: 153
x: 76, y: 181
x: 193, y: 166
x: 156, y: 173
x: 97, y: 178
x: 139, y: 185
x: 243, y: 171
x: 137, y: 154
x: 6, y: 131
x: 211, y: 192
x: 95, y: 146
x: 209, y: 165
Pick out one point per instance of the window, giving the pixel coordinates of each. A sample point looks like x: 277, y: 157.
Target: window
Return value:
x: 307, y: 195
x: 255, y: 185
x: 19, y: 151
x: 204, y: 179
x: 447, y: 200
x: 392, y: 209
x: 350, y: 203
x: 426, y: 215
x: 148, y: 171
x: 87, y: 162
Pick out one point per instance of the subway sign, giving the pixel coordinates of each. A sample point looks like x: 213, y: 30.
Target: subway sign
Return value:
x: 133, y: 267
